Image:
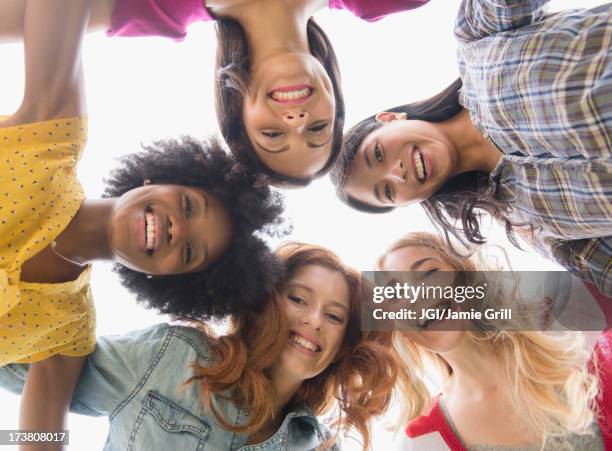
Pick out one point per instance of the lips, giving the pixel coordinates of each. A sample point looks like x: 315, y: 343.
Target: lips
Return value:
x: 303, y: 342
x: 291, y: 95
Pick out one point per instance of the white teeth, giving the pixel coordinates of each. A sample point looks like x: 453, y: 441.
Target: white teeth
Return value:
x: 291, y: 95
x: 304, y: 343
x: 418, y: 164
x: 150, y: 230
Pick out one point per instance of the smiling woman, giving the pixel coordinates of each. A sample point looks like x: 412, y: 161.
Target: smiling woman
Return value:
x: 523, y: 135
x: 307, y: 351
x: 193, y: 224
x: 523, y: 390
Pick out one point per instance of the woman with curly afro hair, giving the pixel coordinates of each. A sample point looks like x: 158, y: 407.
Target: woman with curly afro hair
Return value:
x: 248, y: 203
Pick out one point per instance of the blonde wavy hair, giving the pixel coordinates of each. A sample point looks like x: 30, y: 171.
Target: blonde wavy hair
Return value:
x: 552, y: 387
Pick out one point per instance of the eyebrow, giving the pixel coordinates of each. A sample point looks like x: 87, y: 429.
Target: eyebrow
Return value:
x: 314, y: 146
x: 205, y: 211
x: 367, y: 159
x: 285, y: 148
x: 377, y: 194
x: 419, y: 263
x: 340, y: 304
x: 204, y: 207
x: 299, y: 285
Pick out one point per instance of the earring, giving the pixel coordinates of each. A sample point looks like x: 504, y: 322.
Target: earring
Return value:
x: 146, y: 182
x: 149, y: 276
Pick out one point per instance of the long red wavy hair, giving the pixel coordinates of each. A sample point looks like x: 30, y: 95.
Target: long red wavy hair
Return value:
x: 359, y: 382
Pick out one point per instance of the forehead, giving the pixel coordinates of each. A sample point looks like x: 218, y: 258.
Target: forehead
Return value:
x: 405, y: 258
x: 326, y: 283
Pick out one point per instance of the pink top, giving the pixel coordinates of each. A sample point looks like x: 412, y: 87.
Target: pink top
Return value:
x: 170, y: 18
x: 433, y: 431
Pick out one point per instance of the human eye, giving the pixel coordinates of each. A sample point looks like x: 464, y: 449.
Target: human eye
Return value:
x: 388, y: 193
x: 378, y: 153
x: 318, y: 127
x: 296, y: 299
x: 271, y: 133
x: 335, y: 318
x: 429, y: 273
x: 188, y: 207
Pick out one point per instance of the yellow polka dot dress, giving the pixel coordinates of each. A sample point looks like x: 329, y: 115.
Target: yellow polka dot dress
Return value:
x: 39, y: 196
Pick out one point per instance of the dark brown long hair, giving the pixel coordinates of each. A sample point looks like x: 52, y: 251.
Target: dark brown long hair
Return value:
x: 232, y: 67
x: 359, y: 381
x: 459, y: 199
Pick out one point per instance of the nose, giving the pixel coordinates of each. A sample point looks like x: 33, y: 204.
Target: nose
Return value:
x: 175, y: 230
x: 398, y: 171
x: 313, y: 318
x: 296, y: 119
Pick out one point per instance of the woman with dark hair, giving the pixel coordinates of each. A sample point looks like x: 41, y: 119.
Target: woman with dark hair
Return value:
x: 179, y: 219
x: 278, y: 93
x: 259, y: 387
x: 524, y: 135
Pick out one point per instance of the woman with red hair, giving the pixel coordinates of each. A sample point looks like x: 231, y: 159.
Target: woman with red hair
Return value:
x: 264, y: 382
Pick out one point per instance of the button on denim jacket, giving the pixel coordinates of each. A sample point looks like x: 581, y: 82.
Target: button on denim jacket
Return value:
x: 137, y: 381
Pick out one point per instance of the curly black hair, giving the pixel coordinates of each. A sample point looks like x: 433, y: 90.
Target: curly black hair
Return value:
x: 244, y: 277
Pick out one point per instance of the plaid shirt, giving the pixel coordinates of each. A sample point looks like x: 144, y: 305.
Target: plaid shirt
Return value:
x: 539, y: 86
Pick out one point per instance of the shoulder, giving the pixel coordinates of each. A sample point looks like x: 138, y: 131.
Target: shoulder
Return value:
x: 181, y: 344
x: 372, y: 11
x: 167, y: 18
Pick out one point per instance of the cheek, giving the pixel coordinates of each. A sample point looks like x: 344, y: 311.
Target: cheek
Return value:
x: 336, y: 342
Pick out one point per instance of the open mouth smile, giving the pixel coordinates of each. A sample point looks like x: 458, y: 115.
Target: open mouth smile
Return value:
x: 304, y: 343
x: 151, y: 231
x: 291, y: 95
x: 420, y: 166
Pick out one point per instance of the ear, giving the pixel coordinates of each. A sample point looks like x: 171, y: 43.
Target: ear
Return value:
x: 389, y: 116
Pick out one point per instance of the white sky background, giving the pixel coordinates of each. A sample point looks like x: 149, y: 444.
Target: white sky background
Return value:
x: 141, y: 89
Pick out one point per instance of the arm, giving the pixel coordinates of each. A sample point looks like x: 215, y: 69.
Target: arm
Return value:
x: 46, y: 397
x: 53, y: 32
x: 589, y: 259
x: 13, y: 12
x: 112, y: 372
x: 481, y: 18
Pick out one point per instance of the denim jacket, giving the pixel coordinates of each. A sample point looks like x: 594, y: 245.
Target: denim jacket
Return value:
x: 136, y: 380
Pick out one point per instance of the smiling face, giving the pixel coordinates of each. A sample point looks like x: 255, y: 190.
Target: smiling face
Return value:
x: 437, y: 336
x: 401, y: 162
x: 289, y: 114
x: 316, y: 301
x: 169, y: 229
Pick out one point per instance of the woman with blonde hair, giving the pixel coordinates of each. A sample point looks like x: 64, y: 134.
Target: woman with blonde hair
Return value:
x: 500, y: 389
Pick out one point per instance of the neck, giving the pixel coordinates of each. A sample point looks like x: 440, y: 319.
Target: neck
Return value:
x: 273, y: 26
x: 86, y: 238
x: 475, y: 370
x: 475, y: 152
x: 285, y: 387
